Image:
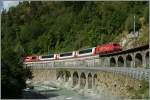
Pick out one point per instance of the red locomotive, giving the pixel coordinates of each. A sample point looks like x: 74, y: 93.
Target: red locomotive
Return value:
x: 107, y: 48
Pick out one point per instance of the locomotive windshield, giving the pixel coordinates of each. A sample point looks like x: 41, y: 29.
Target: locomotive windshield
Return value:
x: 66, y: 54
x: 115, y: 44
x: 85, y: 51
x: 49, y: 56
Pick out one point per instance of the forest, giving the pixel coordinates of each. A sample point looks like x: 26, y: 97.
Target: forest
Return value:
x: 45, y: 27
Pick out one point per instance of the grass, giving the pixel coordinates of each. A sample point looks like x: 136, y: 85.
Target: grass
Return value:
x: 141, y: 93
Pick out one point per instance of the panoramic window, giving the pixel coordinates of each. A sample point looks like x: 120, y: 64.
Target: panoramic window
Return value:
x: 49, y: 56
x: 66, y: 54
x: 85, y: 51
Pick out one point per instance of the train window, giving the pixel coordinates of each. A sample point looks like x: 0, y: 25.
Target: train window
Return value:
x: 48, y: 56
x: 33, y: 57
x: 85, y: 51
x: 27, y: 58
x: 66, y: 54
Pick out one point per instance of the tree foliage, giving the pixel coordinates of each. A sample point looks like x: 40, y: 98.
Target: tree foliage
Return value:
x: 43, y: 27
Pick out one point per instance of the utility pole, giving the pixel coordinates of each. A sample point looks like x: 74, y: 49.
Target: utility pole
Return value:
x: 135, y: 34
x: 134, y: 24
x: 134, y: 30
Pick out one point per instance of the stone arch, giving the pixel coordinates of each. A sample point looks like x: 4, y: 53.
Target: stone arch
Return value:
x: 147, y: 59
x: 89, y: 81
x: 94, y: 79
x: 120, y: 61
x: 68, y: 75
x: 138, y: 60
x: 60, y: 74
x: 75, y: 78
x: 129, y: 61
x: 112, y: 62
x: 83, y: 80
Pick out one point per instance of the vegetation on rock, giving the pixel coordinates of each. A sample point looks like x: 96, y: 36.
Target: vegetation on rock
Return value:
x: 141, y: 93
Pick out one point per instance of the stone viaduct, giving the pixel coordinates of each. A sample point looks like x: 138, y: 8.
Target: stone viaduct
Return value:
x: 106, y: 73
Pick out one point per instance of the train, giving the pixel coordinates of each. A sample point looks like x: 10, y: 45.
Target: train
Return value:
x: 99, y: 49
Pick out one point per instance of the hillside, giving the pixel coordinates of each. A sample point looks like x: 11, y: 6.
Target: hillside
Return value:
x: 47, y: 27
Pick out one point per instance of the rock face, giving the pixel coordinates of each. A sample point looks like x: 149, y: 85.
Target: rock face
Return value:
x: 128, y: 40
x: 132, y: 39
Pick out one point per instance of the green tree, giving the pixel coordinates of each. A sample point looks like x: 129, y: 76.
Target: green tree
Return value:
x: 13, y: 74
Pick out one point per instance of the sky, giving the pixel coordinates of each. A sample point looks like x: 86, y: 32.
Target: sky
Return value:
x: 7, y: 4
